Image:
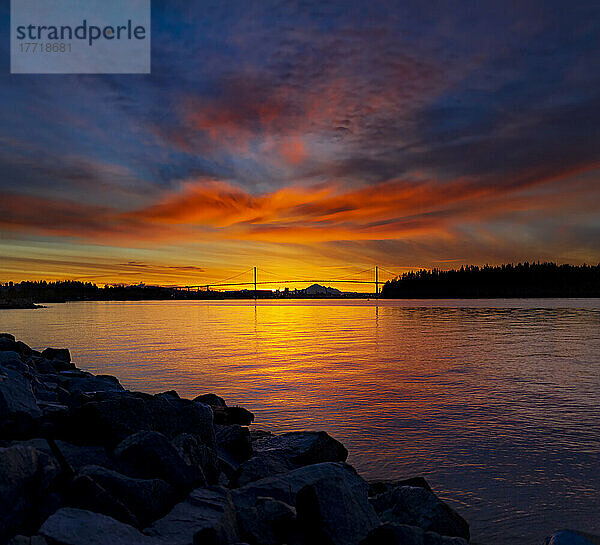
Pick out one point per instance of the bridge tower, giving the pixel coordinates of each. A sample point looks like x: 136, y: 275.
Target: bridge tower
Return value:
x: 254, y: 282
x: 376, y: 280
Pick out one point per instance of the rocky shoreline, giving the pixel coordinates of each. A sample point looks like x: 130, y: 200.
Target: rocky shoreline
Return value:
x: 84, y: 462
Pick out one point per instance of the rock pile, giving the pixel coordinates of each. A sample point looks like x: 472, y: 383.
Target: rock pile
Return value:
x: 84, y: 461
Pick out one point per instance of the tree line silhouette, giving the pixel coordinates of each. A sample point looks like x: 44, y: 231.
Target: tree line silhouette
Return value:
x: 71, y: 290
x: 520, y: 280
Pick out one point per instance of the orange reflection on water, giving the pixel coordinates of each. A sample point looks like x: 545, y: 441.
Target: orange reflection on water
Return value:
x: 468, y: 393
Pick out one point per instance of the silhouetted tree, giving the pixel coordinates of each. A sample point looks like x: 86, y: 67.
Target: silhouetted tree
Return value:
x: 521, y: 280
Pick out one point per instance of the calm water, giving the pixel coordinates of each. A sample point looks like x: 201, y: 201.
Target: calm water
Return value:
x: 495, y: 402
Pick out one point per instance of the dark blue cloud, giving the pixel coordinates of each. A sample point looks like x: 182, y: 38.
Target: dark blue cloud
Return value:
x: 372, y: 90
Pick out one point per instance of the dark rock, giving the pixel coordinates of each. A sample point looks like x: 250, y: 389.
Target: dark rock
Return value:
x: 61, y: 354
x: 228, y: 466
x: 261, y: 465
x: 12, y: 360
x: 109, y: 418
x: 569, y: 537
x: 23, y: 349
x: 76, y: 456
x: 44, y: 366
x: 42, y: 393
x: 211, y: 399
x: 207, y: 516
x: 420, y: 507
x: 86, y: 493
x: 70, y: 526
x: 223, y: 414
x: 110, y: 421
x: 171, y: 393
x: 62, y: 366
x: 150, y: 455
x: 18, y: 407
x: 285, y: 488
x: 379, y: 487
x: 26, y: 478
x: 270, y: 522
x: 335, y: 511
x: 238, y: 415
x: 9, y: 356
x: 91, y: 383
x: 173, y: 416
x: 302, y: 448
x: 55, y: 417
x: 197, y: 454
x: 400, y: 534
x: 7, y: 342
x: 235, y: 440
x: 146, y: 499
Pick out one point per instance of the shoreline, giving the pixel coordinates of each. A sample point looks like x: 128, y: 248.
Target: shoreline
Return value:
x: 90, y: 460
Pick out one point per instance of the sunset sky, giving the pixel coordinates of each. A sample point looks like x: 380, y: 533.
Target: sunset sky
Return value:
x: 310, y: 138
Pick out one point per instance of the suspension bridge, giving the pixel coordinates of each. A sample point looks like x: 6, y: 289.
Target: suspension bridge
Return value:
x: 255, y: 277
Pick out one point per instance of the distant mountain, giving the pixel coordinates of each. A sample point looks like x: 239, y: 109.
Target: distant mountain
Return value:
x: 317, y: 289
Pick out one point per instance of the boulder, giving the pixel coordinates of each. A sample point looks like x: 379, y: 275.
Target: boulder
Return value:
x: 61, y: 354
x: 401, y: 534
x: 569, y: 537
x: 206, y: 516
x: 234, y: 439
x: 416, y: 506
x: 302, y: 448
x: 23, y: 349
x: 146, y: 499
x: 223, y: 414
x: 44, y: 366
x: 11, y: 360
x: 76, y: 456
x: 238, y: 415
x: 173, y: 416
x: 196, y: 454
x: 335, y: 511
x: 7, y: 356
x: 18, y: 407
x: 150, y: 455
x: 91, y: 383
x: 26, y: 478
x: 86, y: 493
x: 270, y: 522
x: 379, y: 487
x: 261, y: 465
x: 211, y: 399
x: 7, y: 342
x: 70, y: 526
x: 285, y: 488
x: 112, y: 416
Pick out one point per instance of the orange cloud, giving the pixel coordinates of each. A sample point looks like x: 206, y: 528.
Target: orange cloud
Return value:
x: 215, y: 210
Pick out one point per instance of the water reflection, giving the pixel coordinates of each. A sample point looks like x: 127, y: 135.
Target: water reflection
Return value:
x: 495, y: 402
